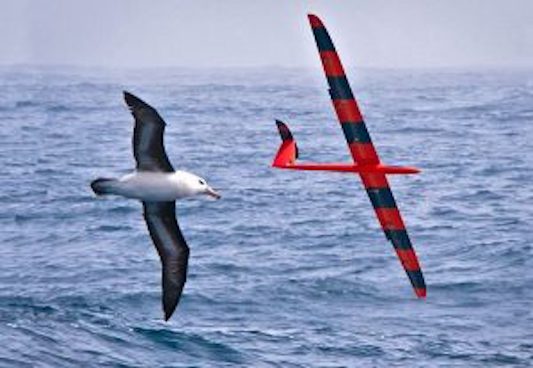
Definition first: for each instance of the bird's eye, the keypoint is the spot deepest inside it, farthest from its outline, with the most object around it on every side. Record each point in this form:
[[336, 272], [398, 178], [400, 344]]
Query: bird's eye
[[201, 182]]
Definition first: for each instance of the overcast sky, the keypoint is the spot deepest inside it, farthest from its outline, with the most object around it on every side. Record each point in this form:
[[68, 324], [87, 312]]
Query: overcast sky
[[229, 33]]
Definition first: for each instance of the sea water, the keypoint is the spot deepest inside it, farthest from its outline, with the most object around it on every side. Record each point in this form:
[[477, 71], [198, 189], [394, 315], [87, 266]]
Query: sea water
[[288, 269]]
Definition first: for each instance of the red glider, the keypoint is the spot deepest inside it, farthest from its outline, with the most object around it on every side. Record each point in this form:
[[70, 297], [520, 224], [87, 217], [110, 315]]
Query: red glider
[[367, 163]]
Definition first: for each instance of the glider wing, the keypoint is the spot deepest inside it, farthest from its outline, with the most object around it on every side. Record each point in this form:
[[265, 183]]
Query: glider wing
[[364, 153]]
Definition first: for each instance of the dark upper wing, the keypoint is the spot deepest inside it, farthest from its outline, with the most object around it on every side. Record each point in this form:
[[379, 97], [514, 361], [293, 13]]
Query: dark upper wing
[[172, 248], [148, 147]]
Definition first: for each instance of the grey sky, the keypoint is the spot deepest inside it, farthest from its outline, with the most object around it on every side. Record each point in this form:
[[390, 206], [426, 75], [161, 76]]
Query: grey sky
[[210, 33]]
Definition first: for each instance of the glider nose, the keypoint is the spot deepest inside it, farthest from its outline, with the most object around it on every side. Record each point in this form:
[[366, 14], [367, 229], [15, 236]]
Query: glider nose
[[210, 191]]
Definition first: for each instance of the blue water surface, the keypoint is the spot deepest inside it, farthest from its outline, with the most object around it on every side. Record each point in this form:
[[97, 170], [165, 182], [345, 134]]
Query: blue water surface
[[289, 269]]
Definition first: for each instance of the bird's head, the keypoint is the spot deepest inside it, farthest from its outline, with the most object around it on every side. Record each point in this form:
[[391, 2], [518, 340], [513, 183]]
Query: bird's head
[[198, 185]]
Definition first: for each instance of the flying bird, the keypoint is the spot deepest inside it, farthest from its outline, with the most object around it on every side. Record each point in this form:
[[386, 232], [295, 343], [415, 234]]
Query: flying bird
[[158, 186]]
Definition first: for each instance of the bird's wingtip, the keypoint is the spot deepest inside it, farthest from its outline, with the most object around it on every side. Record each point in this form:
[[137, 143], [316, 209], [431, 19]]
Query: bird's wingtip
[[170, 298], [169, 311], [132, 100]]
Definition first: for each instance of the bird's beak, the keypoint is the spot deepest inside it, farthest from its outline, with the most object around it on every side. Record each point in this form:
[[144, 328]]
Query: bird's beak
[[210, 191]]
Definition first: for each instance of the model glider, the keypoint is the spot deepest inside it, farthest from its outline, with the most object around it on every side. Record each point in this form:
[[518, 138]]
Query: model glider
[[367, 162]]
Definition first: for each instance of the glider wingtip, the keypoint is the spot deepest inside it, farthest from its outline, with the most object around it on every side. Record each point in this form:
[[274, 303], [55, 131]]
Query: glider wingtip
[[421, 293], [315, 21]]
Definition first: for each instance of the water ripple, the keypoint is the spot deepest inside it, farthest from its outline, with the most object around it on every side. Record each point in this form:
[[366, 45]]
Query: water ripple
[[289, 269]]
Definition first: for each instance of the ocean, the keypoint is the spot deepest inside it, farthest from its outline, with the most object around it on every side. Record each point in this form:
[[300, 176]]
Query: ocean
[[288, 269]]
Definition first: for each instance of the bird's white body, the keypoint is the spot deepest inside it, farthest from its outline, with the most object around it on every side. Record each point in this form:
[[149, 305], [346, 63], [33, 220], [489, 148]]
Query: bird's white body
[[159, 186]]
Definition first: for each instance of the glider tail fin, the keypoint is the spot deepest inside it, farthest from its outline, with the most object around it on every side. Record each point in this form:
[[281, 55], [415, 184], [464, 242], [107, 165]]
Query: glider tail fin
[[103, 186], [288, 151]]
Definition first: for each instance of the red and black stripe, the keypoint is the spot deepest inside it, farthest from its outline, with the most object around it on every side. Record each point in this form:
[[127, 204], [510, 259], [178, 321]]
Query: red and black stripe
[[363, 152], [348, 113], [393, 226]]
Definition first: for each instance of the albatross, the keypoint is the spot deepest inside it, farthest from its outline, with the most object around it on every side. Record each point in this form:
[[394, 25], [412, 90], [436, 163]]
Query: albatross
[[158, 186]]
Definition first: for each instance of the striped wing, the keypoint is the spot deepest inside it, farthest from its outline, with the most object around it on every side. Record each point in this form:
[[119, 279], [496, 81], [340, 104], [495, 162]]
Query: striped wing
[[364, 153]]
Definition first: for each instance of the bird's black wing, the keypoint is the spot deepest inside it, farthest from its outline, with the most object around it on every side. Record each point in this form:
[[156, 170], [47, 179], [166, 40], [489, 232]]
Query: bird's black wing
[[148, 147], [172, 248]]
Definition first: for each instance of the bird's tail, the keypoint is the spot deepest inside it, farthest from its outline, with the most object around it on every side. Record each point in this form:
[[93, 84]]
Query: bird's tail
[[103, 186]]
